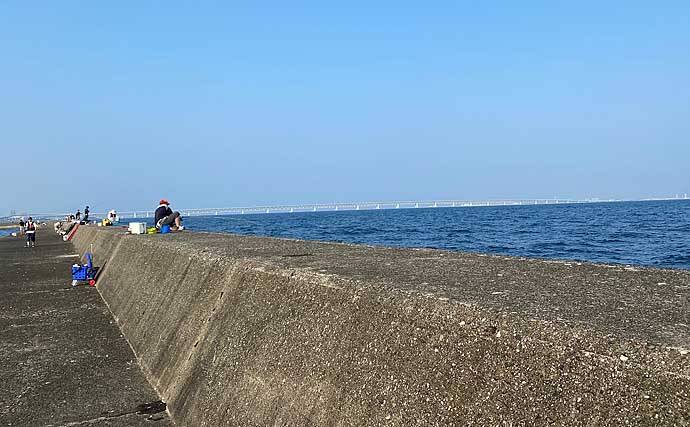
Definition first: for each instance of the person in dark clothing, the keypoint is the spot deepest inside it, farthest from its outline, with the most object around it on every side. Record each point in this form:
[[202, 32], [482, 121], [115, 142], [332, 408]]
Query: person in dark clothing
[[77, 215], [86, 214], [30, 233], [21, 226], [165, 216]]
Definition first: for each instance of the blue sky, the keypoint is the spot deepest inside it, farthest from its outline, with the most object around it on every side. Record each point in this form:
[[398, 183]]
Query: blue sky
[[222, 104]]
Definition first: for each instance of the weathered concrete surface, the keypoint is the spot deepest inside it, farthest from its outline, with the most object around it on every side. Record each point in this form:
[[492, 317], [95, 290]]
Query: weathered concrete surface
[[62, 358], [254, 331]]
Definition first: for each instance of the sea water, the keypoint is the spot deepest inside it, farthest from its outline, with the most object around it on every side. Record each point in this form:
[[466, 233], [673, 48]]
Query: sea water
[[653, 234], [7, 231]]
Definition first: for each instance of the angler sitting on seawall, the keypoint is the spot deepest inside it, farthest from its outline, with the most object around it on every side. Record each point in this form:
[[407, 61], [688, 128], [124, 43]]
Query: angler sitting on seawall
[[165, 216]]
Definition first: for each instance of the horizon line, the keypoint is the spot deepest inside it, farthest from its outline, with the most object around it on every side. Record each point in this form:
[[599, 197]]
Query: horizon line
[[368, 205]]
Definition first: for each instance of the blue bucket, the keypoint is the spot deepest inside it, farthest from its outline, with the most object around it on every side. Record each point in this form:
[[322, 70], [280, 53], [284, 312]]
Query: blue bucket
[[165, 229]]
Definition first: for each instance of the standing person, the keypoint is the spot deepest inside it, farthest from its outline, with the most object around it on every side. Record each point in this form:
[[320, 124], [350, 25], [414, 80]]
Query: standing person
[[86, 214], [21, 226], [30, 233], [165, 216], [77, 215]]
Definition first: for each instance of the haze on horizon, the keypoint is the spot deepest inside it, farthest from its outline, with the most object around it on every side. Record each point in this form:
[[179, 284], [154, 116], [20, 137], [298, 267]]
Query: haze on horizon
[[211, 104]]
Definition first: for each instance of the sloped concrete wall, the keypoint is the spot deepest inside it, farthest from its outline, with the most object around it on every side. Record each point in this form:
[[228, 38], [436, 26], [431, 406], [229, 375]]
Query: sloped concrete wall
[[247, 331]]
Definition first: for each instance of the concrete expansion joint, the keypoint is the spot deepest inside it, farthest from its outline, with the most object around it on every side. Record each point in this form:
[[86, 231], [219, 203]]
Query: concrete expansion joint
[[154, 411]]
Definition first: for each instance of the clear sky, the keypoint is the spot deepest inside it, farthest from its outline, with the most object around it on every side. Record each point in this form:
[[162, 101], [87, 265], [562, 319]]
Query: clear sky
[[215, 104]]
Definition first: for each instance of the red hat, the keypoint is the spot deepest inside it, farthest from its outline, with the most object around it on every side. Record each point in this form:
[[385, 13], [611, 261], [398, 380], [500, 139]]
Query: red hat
[[163, 202]]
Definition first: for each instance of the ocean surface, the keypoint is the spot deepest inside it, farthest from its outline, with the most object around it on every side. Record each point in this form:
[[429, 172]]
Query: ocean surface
[[7, 231], [653, 234]]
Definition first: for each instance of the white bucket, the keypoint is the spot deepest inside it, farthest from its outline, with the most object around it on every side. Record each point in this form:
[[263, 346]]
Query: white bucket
[[137, 227]]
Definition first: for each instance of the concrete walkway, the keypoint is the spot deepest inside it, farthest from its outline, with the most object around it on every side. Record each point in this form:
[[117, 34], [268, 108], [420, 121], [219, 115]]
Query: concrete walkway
[[63, 360]]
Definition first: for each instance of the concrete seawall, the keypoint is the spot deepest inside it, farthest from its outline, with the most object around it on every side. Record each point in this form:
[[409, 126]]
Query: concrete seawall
[[235, 330]]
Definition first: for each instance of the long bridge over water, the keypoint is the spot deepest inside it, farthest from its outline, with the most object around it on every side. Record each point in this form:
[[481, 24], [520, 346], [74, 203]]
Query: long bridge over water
[[333, 207]]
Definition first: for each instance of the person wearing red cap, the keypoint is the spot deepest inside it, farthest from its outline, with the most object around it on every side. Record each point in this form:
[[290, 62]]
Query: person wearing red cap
[[165, 216]]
